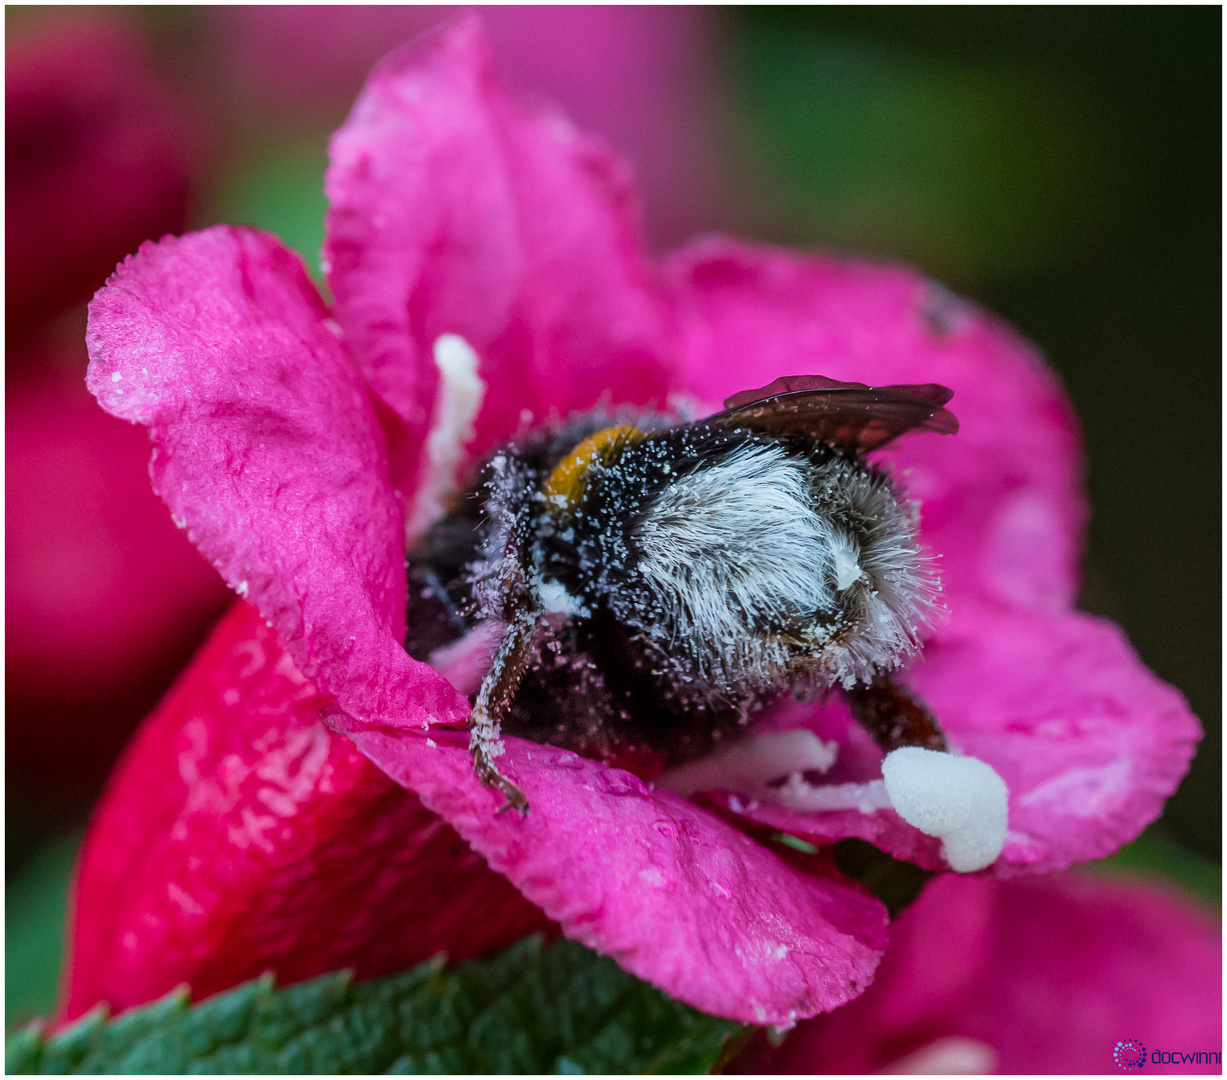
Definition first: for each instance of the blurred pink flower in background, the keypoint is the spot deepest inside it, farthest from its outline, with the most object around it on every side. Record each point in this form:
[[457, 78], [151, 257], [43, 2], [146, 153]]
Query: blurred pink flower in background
[[641, 78], [99, 157], [285, 441], [104, 599], [1043, 975]]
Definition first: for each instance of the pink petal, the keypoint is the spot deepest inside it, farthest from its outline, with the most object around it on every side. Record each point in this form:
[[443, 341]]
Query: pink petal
[[1050, 973], [267, 450], [675, 895], [455, 211], [1088, 741], [640, 77], [241, 835], [1002, 501]]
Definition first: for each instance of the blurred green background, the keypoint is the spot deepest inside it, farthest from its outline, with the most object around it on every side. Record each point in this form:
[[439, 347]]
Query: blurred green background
[[1059, 165]]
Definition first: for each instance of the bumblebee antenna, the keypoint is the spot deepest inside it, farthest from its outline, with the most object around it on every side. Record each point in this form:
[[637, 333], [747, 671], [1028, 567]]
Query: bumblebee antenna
[[498, 688]]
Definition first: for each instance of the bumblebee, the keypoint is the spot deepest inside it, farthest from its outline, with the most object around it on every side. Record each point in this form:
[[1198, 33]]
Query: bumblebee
[[647, 585]]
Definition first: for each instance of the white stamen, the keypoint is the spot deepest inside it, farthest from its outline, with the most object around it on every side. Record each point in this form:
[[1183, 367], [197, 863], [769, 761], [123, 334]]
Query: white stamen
[[960, 800], [951, 1056], [798, 794], [749, 765], [457, 402]]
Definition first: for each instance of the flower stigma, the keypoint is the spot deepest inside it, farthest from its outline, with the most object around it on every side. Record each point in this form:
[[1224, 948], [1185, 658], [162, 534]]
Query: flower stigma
[[960, 800]]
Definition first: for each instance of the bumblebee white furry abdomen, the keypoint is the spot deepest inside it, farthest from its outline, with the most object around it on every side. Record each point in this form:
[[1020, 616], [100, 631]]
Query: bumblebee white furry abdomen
[[656, 582], [771, 568]]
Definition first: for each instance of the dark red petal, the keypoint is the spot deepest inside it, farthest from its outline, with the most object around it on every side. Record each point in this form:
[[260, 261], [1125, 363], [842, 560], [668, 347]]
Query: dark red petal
[[240, 835]]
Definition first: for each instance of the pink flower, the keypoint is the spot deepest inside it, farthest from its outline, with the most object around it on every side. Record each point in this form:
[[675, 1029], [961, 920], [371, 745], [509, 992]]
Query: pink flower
[[287, 441], [104, 599], [98, 159], [1045, 975], [635, 75]]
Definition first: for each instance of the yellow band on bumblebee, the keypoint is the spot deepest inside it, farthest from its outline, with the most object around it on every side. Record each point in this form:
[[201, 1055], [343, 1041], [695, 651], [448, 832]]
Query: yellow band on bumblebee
[[564, 487]]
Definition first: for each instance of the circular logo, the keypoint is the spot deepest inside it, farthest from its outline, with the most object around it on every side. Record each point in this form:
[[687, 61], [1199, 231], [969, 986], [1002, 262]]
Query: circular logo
[[1129, 1054]]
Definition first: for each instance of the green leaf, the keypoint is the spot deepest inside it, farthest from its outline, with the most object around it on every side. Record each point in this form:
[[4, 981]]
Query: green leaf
[[527, 1010], [34, 910]]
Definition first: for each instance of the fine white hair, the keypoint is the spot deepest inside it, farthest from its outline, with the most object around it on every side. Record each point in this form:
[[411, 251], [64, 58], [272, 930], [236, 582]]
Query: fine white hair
[[767, 567]]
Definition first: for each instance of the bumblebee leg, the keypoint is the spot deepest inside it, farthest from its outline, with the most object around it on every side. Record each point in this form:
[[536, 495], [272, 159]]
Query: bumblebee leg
[[498, 688], [482, 751], [894, 717]]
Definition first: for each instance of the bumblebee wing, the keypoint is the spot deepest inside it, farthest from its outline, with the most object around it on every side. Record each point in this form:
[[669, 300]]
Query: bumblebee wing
[[852, 417]]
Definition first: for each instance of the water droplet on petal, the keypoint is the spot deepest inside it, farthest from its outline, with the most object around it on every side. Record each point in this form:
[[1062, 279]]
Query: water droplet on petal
[[617, 782], [665, 828]]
